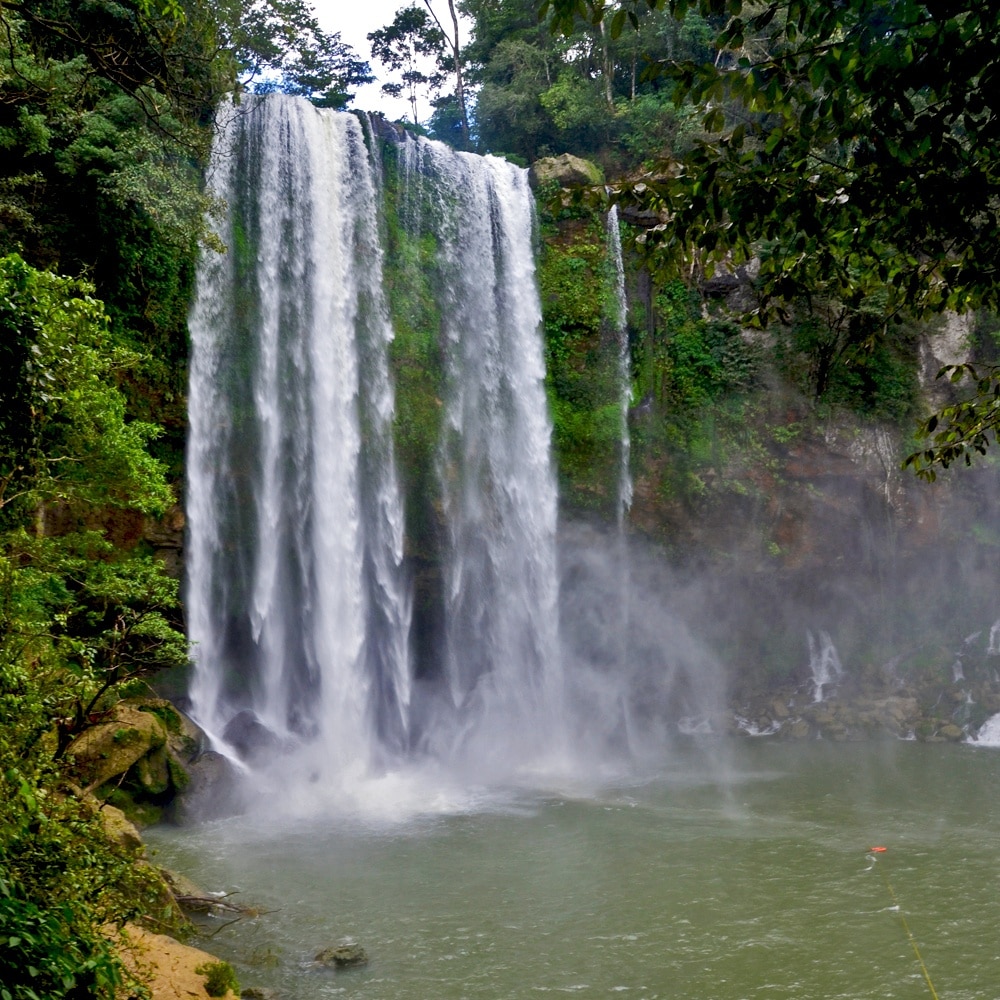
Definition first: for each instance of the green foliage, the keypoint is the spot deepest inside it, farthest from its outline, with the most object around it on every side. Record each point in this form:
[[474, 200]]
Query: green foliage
[[696, 378], [47, 955], [842, 363], [61, 880], [76, 618], [220, 978], [400, 46], [88, 617], [582, 378], [859, 139], [589, 92], [278, 45], [65, 433], [415, 355]]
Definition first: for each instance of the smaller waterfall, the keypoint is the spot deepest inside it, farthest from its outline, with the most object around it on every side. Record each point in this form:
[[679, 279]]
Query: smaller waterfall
[[620, 325], [824, 663], [993, 649], [623, 502]]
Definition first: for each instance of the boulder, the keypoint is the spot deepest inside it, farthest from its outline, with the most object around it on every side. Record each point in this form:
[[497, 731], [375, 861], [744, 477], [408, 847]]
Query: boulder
[[120, 830], [797, 729], [250, 738], [565, 170], [170, 970], [111, 747], [213, 792]]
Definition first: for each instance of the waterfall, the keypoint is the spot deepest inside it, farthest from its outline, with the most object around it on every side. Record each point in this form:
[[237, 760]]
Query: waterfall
[[497, 485], [299, 596], [299, 613]]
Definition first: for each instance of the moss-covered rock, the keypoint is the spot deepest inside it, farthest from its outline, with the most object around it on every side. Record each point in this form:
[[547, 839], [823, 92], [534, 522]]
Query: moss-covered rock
[[136, 757], [342, 956], [111, 747], [565, 170], [120, 830]]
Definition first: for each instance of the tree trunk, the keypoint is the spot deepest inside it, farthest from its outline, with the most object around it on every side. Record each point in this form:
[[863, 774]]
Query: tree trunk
[[456, 54], [607, 68]]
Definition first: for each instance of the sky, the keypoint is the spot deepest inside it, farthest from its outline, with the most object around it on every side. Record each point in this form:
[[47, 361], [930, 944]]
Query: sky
[[354, 19]]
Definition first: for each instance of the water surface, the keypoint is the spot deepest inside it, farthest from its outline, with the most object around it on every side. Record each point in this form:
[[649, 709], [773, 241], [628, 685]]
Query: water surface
[[678, 885]]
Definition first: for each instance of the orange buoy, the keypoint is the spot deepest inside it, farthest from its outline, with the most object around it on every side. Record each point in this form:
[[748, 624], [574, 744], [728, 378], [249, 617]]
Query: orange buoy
[[877, 850]]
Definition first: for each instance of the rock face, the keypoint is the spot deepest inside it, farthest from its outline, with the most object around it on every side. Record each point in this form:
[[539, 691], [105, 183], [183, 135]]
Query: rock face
[[565, 170], [251, 739], [932, 708], [166, 966]]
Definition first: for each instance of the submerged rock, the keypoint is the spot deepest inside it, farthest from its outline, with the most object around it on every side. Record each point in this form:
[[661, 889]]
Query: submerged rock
[[342, 956]]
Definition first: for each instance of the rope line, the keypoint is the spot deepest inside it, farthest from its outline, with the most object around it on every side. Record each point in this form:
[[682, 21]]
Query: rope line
[[906, 927]]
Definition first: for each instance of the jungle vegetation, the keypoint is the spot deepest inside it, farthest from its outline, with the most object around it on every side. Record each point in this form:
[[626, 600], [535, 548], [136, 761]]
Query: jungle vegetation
[[849, 150]]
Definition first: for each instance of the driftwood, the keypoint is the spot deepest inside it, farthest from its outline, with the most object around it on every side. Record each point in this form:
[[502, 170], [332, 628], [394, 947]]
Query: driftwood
[[218, 906]]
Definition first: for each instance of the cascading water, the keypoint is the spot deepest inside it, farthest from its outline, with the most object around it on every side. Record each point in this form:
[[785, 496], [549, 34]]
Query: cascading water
[[620, 318], [497, 486], [300, 607], [299, 614], [824, 663]]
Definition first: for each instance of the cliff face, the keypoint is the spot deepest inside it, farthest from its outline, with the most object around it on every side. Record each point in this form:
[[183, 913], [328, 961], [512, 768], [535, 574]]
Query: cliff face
[[771, 477]]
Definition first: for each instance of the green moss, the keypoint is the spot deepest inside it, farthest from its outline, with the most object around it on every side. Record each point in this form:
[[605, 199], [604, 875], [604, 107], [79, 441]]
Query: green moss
[[179, 778], [581, 356], [167, 714], [140, 812]]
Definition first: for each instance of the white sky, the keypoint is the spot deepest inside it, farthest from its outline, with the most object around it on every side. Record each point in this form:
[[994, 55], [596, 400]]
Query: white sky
[[354, 19]]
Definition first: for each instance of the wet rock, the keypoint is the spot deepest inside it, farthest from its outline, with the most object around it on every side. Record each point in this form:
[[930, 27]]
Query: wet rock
[[120, 830], [342, 956], [257, 993], [249, 737], [797, 729], [214, 790], [951, 733]]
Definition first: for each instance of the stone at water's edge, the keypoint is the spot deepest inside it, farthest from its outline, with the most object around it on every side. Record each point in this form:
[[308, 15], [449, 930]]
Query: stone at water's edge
[[251, 739], [213, 792]]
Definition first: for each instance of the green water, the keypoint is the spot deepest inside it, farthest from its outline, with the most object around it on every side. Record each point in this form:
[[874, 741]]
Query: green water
[[679, 886]]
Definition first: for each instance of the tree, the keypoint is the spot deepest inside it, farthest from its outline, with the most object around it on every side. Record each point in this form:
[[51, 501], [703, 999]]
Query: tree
[[278, 45], [454, 45], [64, 436], [403, 47], [859, 140]]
